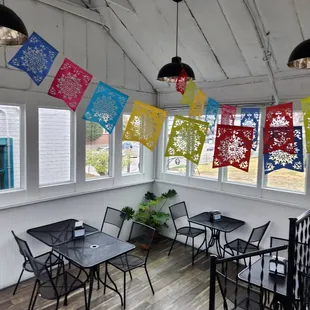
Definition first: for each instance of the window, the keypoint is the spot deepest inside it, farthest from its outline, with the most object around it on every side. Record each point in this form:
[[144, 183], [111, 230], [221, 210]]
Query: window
[[131, 153], [9, 147], [173, 164], [55, 154], [97, 151], [204, 169], [234, 175], [285, 179]]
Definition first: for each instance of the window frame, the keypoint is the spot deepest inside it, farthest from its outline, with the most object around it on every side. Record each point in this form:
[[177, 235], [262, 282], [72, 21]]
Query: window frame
[[245, 190], [72, 146]]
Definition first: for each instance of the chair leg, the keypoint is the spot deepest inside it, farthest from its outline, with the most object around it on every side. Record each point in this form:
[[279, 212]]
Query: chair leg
[[130, 275], [20, 276], [172, 244], [33, 291], [57, 303], [193, 251], [85, 297], [98, 275], [124, 290], [148, 277], [35, 299], [186, 241], [105, 277]]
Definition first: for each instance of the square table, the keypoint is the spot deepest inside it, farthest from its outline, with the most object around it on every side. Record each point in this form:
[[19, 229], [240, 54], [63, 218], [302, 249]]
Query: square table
[[58, 233], [91, 251], [268, 282], [225, 225]]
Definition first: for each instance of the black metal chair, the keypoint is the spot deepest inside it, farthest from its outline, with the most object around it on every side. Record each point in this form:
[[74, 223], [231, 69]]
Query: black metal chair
[[239, 296], [252, 244], [115, 218], [142, 235], [304, 289], [49, 258], [47, 286], [177, 212]]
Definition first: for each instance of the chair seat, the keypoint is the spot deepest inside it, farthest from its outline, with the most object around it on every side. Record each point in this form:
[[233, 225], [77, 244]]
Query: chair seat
[[127, 262], [190, 231], [241, 246], [48, 259], [64, 283]]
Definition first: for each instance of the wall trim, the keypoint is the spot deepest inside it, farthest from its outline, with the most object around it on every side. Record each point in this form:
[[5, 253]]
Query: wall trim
[[264, 200], [54, 198]]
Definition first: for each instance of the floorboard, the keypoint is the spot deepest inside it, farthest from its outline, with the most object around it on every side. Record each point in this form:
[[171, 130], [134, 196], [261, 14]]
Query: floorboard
[[178, 285]]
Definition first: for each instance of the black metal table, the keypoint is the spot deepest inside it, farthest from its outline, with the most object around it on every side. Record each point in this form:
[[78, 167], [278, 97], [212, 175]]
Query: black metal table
[[58, 233], [225, 225], [91, 251], [271, 283]]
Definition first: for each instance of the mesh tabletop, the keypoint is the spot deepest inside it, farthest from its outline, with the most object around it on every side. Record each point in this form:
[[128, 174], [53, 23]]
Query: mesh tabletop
[[225, 224], [268, 282], [94, 249], [57, 233]]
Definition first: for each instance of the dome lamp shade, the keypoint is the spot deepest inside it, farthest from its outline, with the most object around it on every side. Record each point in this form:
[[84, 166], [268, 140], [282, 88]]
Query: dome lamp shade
[[300, 57], [171, 71], [12, 29]]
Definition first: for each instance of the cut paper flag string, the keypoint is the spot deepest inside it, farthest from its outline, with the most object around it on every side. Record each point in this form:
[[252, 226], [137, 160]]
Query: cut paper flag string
[[228, 115], [250, 118], [198, 104], [211, 113], [181, 82], [305, 106], [35, 57], [278, 159], [105, 106], [145, 124], [279, 131], [187, 138], [189, 93], [233, 147], [70, 84]]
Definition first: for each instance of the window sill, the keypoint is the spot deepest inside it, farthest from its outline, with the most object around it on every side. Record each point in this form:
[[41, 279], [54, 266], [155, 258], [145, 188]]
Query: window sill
[[264, 198], [74, 194]]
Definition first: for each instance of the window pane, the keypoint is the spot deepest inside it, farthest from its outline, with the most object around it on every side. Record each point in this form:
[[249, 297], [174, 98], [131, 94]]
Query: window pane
[[54, 146], [174, 164], [130, 153], [286, 179], [97, 151], [238, 176], [204, 169], [10, 146]]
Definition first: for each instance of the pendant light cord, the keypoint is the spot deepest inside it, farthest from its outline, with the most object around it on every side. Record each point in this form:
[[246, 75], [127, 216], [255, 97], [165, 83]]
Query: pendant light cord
[[177, 31]]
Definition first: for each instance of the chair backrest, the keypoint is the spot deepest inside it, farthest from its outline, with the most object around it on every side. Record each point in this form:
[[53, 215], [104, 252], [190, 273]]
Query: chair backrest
[[239, 295], [114, 217], [177, 211], [304, 289], [258, 233], [22, 246], [143, 235]]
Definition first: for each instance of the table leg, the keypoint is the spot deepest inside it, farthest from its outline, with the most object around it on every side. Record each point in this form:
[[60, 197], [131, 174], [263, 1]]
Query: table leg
[[91, 284]]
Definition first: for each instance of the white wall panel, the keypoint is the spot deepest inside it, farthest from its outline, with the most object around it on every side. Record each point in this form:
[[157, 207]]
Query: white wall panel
[[75, 41], [210, 17], [280, 18], [303, 8], [116, 64], [131, 75], [245, 35], [97, 51]]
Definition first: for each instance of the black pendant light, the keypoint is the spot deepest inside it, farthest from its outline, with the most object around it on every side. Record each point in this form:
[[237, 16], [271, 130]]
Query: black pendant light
[[300, 57], [12, 29], [170, 72]]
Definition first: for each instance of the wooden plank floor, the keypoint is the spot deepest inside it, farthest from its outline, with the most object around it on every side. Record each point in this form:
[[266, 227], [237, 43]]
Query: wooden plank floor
[[178, 285]]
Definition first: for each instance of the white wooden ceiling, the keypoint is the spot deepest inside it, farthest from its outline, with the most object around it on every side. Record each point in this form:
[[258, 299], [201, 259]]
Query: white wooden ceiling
[[217, 38]]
